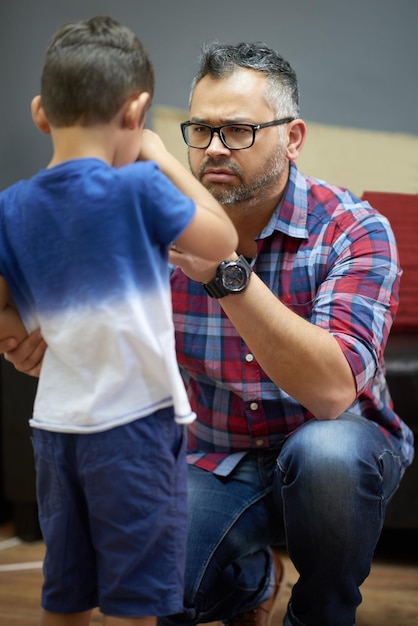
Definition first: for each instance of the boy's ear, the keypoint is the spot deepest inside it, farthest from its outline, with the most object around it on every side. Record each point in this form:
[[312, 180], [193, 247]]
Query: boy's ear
[[38, 115], [136, 111]]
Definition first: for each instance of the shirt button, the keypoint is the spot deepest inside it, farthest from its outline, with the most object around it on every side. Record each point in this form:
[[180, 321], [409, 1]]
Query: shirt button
[[259, 443], [249, 358], [254, 406]]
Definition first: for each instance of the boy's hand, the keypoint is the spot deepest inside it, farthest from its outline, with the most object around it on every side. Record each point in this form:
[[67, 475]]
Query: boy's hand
[[26, 356], [152, 147]]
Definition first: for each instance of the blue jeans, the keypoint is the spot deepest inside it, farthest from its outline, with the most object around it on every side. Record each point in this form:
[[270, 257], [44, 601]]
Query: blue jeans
[[323, 495]]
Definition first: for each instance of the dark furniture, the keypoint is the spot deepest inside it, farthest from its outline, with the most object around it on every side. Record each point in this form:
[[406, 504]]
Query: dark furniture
[[17, 393], [401, 354]]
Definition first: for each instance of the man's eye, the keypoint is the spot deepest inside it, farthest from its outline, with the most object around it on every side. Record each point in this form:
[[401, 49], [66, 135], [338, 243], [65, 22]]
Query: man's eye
[[200, 129], [239, 130]]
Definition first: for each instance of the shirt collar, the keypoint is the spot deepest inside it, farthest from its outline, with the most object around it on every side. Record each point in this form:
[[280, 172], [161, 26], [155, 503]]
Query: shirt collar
[[290, 215]]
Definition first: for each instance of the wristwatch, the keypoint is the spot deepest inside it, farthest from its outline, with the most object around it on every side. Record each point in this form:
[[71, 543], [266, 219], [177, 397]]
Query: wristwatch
[[231, 277]]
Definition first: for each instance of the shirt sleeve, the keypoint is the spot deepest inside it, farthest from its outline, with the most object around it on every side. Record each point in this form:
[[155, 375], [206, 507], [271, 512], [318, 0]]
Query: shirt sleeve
[[168, 210], [358, 300]]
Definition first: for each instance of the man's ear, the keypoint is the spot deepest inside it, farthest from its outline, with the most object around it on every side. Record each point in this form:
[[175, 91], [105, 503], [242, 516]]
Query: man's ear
[[136, 111], [38, 115], [296, 138]]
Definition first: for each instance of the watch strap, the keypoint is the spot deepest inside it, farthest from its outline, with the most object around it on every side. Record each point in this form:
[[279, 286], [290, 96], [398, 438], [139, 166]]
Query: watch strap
[[214, 289]]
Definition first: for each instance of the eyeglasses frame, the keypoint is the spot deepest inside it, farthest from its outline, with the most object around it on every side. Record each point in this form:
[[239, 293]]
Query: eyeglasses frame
[[218, 131]]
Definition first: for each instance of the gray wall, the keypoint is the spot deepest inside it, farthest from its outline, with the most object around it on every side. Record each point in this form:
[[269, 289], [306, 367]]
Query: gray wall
[[356, 59]]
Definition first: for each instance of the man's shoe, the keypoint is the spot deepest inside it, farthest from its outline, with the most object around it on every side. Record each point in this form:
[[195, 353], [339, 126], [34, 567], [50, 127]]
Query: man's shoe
[[261, 615]]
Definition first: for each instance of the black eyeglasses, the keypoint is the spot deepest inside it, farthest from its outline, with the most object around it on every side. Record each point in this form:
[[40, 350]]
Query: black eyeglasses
[[233, 136]]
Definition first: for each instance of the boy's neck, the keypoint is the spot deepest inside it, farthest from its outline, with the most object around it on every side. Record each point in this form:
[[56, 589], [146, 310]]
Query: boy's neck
[[79, 142]]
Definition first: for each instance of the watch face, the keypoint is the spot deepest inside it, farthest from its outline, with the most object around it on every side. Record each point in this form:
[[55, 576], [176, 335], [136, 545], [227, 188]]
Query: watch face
[[234, 277], [231, 277]]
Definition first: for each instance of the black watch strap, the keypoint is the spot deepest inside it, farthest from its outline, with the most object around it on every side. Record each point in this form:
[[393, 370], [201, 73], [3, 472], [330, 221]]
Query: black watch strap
[[215, 289]]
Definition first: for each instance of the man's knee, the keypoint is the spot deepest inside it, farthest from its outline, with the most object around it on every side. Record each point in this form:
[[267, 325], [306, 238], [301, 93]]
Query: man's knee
[[332, 452]]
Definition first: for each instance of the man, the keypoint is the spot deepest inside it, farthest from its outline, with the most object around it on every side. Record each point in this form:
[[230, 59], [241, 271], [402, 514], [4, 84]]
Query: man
[[296, 442]]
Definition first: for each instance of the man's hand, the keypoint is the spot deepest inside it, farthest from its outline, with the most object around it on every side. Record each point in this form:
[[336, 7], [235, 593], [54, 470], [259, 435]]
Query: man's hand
[[26, 356]]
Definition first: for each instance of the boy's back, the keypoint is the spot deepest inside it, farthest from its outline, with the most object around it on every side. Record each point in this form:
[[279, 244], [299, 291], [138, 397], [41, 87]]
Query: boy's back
[[88, 244]]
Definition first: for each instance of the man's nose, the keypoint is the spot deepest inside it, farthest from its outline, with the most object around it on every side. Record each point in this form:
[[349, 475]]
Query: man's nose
[[216, 145]]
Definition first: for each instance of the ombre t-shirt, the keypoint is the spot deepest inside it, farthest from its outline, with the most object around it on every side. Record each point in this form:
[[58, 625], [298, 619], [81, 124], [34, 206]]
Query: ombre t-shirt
[[84, 250]]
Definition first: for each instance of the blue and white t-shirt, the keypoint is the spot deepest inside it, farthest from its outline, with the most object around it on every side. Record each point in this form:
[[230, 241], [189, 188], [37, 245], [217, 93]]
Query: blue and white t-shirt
[[83, 248]]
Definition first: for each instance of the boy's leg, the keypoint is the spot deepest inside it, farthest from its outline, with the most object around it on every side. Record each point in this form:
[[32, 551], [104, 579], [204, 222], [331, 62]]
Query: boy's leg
[[135, 484], [60, 619], [69, 590]]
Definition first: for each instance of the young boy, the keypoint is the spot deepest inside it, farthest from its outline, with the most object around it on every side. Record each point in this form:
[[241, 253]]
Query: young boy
[[84, 250]]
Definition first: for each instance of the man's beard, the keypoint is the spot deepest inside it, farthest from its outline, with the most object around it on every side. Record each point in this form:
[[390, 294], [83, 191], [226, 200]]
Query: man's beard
[[262, 181]]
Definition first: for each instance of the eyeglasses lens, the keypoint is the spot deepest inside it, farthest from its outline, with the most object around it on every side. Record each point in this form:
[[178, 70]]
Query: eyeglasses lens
[[236, 137]]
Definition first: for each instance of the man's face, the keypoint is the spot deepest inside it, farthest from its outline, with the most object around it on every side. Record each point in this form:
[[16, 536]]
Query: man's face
[[237, 176]]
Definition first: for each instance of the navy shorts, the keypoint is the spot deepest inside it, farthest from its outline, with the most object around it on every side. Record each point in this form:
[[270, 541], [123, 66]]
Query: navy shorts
[[112, 509]]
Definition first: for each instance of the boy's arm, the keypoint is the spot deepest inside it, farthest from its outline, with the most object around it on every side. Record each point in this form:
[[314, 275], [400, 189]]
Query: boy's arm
[[211, 234], [10, 323]]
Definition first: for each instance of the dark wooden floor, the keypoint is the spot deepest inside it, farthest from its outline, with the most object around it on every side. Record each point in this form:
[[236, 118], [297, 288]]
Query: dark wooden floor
[[390, 594]]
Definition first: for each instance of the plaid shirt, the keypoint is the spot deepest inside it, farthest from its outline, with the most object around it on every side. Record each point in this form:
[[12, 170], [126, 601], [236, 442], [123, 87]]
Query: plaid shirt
[[331, 259]]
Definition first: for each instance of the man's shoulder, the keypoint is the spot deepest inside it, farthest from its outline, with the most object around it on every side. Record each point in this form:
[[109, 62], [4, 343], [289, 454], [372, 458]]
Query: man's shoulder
[[337, 202], [319, 202], [322, 191]]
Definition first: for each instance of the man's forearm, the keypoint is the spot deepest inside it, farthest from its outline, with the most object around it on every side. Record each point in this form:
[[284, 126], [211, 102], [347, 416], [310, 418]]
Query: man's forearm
[[11, 325], [300, 358], [26, 356]]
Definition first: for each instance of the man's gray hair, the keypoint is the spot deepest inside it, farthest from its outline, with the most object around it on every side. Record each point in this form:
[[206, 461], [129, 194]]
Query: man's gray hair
[[219, 60]]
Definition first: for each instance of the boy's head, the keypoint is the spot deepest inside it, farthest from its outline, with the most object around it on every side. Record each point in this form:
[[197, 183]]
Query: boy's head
[[91, 68]]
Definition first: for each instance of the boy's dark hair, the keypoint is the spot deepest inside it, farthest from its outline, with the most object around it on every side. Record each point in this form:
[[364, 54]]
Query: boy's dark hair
[[91, 67]]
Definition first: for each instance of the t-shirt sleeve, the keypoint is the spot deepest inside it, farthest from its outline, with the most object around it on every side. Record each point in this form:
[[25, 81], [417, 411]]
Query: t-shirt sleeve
[[167, 210]]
